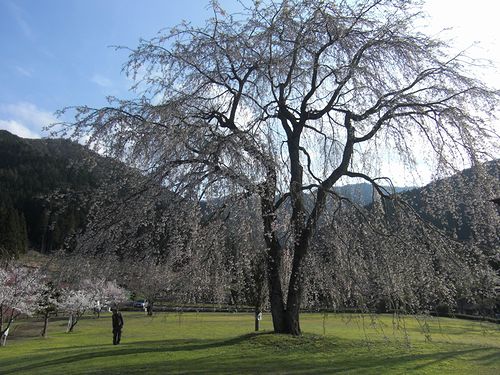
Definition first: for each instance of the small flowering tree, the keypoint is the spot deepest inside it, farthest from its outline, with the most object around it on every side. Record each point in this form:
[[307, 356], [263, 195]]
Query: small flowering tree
[[114, 294], [108, 293], [20, 291], [88, 294], [76, 302]]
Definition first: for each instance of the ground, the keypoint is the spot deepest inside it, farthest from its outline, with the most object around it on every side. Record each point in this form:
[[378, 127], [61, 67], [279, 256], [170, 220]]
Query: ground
[[215, 343]]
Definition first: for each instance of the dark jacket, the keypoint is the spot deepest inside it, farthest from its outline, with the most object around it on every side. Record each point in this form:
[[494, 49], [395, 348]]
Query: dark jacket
[[117, 321]]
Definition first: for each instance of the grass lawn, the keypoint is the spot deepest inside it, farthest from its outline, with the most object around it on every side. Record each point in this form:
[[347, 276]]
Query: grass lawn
[[215, 343]]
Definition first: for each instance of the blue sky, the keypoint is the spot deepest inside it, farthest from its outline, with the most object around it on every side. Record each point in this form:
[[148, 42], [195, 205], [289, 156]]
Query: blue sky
[[55, 53]]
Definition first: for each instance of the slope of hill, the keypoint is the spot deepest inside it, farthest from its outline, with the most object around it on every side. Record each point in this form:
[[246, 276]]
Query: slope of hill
[[43, 186]]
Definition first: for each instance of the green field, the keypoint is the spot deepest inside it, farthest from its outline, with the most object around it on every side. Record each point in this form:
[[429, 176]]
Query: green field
[[214, 343]]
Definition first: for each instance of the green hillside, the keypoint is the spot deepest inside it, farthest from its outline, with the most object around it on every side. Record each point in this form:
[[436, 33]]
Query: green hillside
[[44, 185]]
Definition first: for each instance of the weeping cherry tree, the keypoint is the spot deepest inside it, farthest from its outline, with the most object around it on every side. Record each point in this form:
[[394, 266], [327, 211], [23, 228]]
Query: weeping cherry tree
[[286, 100]]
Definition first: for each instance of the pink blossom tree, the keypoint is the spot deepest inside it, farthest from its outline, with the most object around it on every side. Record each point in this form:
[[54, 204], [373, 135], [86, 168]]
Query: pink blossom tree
[[19, 293]]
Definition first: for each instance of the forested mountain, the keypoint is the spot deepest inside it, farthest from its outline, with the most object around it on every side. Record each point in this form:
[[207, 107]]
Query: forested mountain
[[44, 184], [462, 204]]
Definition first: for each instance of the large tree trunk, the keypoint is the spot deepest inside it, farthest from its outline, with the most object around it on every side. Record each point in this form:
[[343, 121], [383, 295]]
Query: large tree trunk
[[295, 286], [278, 311], [284, 321], [287, 320], [300, 234]]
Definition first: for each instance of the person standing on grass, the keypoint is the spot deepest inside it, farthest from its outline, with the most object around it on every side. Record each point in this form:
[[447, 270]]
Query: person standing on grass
[[117, 320]]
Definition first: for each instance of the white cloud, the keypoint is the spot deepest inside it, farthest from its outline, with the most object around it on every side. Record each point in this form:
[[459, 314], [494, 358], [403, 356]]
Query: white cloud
[[101, 80], [25, 119], [18, 129]]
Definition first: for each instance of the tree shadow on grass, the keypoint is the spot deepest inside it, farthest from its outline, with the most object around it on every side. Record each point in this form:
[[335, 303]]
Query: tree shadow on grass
[[135, 348], [418, 362], [255, 353], [490, 358], [253, 363], [282, 364]]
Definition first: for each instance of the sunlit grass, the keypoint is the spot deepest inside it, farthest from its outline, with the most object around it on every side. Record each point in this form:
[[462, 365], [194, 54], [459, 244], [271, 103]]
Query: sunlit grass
[[213, 343]]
